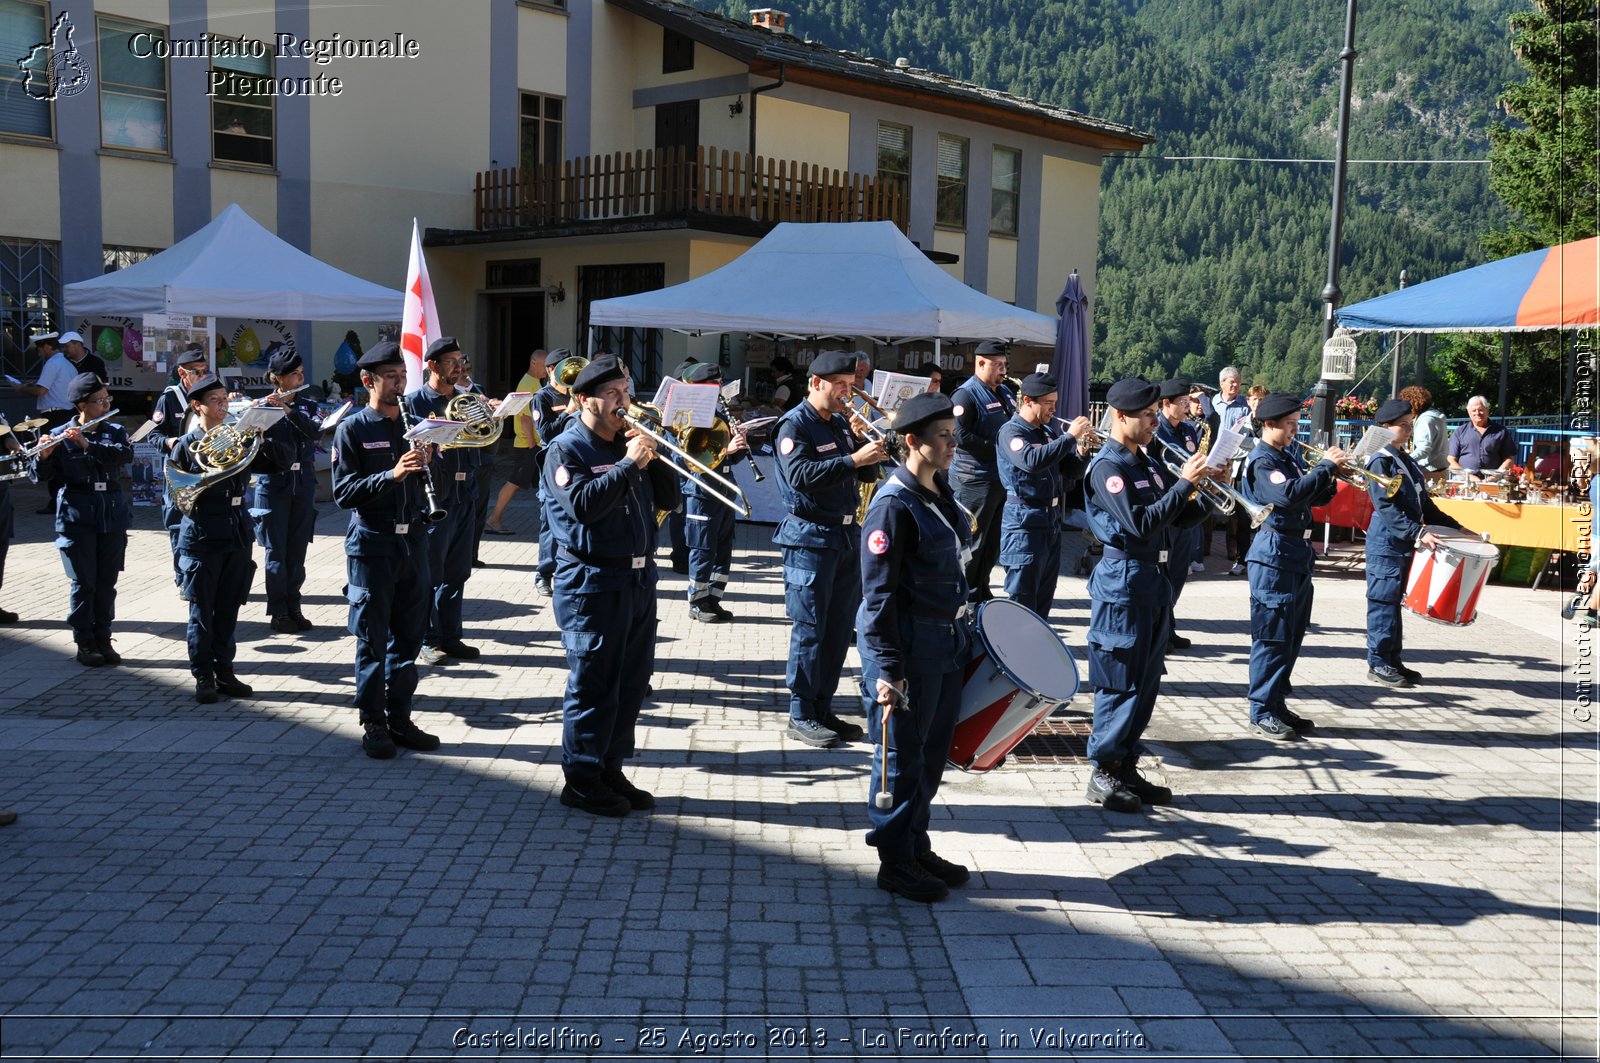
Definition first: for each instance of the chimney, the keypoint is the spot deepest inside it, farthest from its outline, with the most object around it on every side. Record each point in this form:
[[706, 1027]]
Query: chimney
[[770, 19]]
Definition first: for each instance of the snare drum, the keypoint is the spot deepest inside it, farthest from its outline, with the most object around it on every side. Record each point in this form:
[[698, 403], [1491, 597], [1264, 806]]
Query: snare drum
[[1445, 582], [1023, 673]]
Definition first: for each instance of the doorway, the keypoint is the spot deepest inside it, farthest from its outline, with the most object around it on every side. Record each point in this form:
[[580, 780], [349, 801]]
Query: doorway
[[516, 330]]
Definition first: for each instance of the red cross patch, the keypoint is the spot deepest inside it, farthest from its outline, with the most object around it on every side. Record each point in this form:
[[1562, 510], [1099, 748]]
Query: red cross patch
[[1277, 476], [878, 542], [1114, 484]]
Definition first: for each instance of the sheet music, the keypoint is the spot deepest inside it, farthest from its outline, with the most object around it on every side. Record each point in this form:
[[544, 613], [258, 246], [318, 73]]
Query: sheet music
[[697, 402], [1224, 447], [142, 431], [513, 404], [436, 430], [896, 388], [337, 415], [12, 380], [662, 391], [1373, 440], [731, 389], [260, 418]]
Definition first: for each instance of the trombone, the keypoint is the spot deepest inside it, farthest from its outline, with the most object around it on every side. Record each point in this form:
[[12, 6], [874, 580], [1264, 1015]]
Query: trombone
[[1353, 474], [1222, 499], [878, 435], [692, 468]]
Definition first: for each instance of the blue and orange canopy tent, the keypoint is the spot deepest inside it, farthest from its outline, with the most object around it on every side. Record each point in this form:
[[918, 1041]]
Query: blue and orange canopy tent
[[1557, 288]]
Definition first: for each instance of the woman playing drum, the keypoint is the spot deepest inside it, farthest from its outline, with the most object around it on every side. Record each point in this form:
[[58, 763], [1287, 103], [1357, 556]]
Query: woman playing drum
[[1397, 529], [913, 645]]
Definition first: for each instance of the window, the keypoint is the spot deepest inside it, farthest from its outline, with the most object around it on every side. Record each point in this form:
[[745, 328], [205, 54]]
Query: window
[[952, 205], [25, 87], [241, 119], [1005, 189], [115, 258], [30, 289], [894, 153], [677, 52], [133, 86], [541, 130]]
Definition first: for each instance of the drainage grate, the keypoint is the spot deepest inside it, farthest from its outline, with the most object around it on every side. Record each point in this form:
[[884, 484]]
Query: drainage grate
[[1055, 741]]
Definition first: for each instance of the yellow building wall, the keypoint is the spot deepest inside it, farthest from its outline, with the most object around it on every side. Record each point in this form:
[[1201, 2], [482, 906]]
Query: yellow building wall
[[542, 51], [30, 209], [255, 192], [1003, 269], [126, 182], [612, 120], [955, 243], [1068, 229], [800, 131]]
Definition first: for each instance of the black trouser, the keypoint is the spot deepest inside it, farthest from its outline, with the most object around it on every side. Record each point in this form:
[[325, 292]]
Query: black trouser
[[986, 498]]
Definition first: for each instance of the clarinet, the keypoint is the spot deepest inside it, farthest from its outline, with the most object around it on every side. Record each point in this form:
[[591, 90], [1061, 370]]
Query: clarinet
[[436, 512]]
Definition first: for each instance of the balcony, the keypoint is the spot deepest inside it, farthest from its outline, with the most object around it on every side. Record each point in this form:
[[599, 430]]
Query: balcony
[[681, 183]]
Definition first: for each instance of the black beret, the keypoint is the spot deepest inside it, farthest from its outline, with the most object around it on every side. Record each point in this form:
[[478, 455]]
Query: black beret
[[1131, 396], [1038, 385], [203, 385], [833, 363], [191, 353], [385, 353], [441, 347], [1174, 389], [919, 410], [556, 355], [993, 349], [1392, 411], [601, 371], [284, 362], [83, 385], [1272, 407], [702, 373]]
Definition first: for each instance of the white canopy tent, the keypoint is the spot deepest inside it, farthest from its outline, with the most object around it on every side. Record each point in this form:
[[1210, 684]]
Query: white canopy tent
[[235, 268], [830, 279]]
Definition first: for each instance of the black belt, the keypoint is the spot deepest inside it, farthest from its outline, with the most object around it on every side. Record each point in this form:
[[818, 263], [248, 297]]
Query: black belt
[[1020, 501], [603, 562], [1293, 533], [1112, 552]]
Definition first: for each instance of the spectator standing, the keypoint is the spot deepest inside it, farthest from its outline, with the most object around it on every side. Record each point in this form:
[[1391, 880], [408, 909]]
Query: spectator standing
[[1430, 436], [525, 465]]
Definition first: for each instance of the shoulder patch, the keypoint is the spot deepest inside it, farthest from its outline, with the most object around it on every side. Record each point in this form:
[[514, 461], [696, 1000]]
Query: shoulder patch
[[878, 542], [786, 445], [536, 414], [1114, 484], [157, 417], [1016, 443], [1192, 446], [959, 409], [1277, 476], [563, 477]]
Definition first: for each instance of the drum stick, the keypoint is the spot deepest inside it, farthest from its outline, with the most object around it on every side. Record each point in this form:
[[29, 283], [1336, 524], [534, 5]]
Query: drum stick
[[883, 799]]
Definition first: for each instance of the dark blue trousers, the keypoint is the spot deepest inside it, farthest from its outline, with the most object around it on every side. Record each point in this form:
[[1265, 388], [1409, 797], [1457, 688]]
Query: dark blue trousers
[[1386, 586], [1280, 612], [1031, 558], [1127, 656], [450, 549], [821, 590], [7, 527], [93, 561], [285, 520], [708, 532], [389, 599], [985, 497], [610, 639], [547, 541], [1185, 551], [918, 742], [217, 585]]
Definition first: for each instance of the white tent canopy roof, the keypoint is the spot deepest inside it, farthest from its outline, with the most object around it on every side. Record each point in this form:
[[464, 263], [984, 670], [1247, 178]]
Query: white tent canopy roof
[[235, 268], [830, 279]]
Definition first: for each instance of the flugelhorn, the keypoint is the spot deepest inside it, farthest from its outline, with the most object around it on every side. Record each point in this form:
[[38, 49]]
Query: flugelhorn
[[1353, 474], [691, 468], [1222, 499]]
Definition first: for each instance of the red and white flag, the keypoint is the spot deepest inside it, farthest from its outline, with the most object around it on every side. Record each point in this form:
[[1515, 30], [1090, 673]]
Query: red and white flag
[[420, 325]]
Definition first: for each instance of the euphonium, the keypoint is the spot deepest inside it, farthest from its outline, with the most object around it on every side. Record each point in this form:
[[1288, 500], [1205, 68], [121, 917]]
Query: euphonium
[[1353, 474], [222, 453], [483, 427], [708, 446], [565, 372]]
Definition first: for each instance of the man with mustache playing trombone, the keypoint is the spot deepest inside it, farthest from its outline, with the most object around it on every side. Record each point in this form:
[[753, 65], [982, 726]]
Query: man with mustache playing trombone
[[604, 485]]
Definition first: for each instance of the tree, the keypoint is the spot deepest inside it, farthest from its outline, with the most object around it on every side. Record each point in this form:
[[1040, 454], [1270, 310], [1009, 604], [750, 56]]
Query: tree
[[1545, 167]]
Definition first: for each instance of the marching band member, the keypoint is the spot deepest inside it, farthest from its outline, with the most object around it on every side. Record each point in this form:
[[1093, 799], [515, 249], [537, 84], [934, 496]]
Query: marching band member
[[708, 524], [1397, 529], [1280, 562], [1037, 461], [604, 489], [1137, 514], [92, 516], [286, 501], [173, 419], [820, 465], [450, 541], [1181, 437], [982, 405], [214, 540], [378, 476], [914, 645], [549, 410]]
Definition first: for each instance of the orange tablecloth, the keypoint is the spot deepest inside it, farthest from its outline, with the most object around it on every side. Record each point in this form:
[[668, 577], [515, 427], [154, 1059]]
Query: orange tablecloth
[[1544, 527]]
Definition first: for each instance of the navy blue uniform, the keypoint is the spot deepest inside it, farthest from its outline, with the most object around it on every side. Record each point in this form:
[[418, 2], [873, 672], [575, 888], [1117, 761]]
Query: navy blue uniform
[[450, 541], [980, 411], [1135, 509], [602, 509], [285, 507], [1396, 527], [92, 522], [548, 424], [820, 487], [911, 626], [1037, 463], [1280, 561], [172, 421], [386, 561], [708, 537], [214, 540], [1182, 442]]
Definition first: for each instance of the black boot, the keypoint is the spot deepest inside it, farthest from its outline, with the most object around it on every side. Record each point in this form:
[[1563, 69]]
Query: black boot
[[229, 684], [205, 688]]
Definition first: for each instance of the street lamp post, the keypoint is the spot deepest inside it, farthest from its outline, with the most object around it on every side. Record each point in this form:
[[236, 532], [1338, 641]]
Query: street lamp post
[[1322, 406]]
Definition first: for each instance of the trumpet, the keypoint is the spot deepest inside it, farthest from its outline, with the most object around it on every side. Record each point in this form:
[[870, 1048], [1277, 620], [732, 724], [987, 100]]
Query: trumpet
[[1355, 475], [691, 468], [1099, 428], [1222, 499]]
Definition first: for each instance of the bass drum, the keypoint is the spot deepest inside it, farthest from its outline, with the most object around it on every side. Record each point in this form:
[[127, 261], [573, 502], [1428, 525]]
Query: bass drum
[[1023, 673]]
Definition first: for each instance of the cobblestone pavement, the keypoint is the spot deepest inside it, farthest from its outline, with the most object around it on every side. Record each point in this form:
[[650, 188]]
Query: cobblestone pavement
[[238, 879]]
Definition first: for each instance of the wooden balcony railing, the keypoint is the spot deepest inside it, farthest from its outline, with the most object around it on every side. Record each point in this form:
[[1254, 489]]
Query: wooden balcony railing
[[682, 181]]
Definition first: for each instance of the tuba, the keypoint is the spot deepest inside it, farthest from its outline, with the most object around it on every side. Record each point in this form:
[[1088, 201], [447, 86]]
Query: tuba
[[483, 427], [222, 453]]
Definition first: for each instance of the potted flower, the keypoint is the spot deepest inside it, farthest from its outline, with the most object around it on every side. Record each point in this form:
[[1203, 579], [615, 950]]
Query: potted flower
[[1355, 408]]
